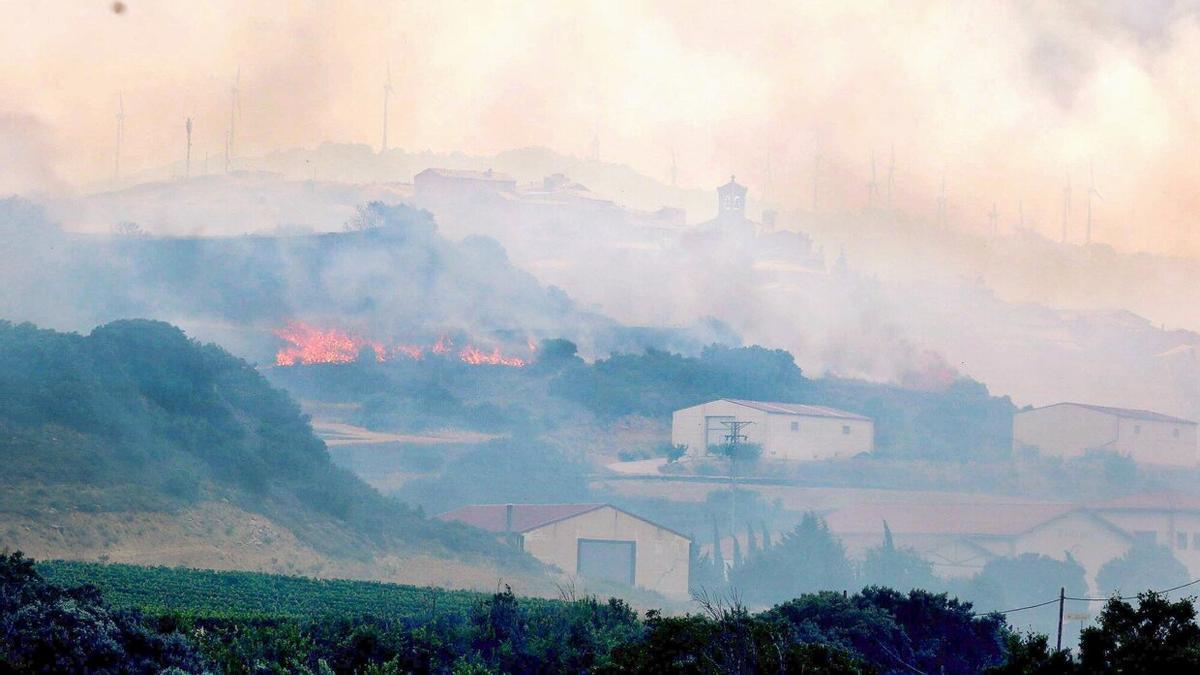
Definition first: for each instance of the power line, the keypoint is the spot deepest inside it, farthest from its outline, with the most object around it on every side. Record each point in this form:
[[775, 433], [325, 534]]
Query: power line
[[1067, 597]]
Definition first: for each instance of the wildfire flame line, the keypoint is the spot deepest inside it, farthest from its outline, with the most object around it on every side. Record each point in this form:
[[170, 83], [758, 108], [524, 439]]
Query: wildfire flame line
[[308, 345]]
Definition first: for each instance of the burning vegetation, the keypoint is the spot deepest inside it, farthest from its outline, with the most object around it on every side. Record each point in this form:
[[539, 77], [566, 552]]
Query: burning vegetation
[[308, 345]]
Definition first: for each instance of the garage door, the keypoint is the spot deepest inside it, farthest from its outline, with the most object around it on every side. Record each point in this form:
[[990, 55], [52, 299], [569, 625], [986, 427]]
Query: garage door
[[607, 559]]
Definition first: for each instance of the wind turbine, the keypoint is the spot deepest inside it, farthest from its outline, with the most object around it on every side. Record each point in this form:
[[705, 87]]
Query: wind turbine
[[235, 111], [387, 92], [873, 186], [120, 137], [1092, 191]]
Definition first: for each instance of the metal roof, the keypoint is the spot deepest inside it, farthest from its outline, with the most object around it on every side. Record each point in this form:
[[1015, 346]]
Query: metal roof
[[1128, 413], [797, 409]]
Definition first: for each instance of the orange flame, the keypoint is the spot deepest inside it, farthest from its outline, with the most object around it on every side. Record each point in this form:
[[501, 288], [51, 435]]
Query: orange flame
[[443, 345], [309, 345], [476, 357]]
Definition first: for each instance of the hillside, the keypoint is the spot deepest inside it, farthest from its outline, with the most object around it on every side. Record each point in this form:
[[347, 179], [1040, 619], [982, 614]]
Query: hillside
[[136, 443]]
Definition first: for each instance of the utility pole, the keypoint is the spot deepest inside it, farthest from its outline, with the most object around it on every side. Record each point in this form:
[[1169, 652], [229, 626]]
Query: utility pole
[[1062, 599], [734, 439], [187, 162]]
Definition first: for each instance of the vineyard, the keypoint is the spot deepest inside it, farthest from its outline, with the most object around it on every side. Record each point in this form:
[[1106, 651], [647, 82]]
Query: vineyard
[[208, 593]]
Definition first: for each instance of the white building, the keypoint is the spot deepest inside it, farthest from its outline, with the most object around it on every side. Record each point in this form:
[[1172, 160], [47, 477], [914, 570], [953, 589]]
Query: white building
[[593, 541], [786, 431], [1071, 429]]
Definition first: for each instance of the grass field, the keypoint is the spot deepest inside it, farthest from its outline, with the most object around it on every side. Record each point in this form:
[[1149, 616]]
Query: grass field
[[209, 593]]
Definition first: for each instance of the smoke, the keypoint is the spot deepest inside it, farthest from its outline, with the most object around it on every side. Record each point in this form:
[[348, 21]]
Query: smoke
[[1005, 100], [28, 156]]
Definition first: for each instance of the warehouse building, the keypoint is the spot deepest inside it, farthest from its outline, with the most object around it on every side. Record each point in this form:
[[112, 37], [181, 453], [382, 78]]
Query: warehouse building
[[593, 541], [1071, 429], [786, 431]]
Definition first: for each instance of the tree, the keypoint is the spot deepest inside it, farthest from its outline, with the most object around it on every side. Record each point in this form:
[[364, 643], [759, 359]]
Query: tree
[[1028, 579], [900, 568], [805, 560], [1142, 568], [45, 628], [1158, 636]]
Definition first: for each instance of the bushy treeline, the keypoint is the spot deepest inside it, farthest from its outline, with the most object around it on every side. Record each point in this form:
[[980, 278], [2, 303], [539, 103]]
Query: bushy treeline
[[809, 559], [136, 416], [46, 628]]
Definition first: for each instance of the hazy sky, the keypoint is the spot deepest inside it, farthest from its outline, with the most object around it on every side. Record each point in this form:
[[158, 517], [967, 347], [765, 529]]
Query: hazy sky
[[1005, 99]]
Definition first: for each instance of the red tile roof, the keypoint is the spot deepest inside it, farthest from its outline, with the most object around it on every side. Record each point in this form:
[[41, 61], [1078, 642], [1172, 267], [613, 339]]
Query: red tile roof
[[1151, 501], [987, 519], [493, 517], [526, 517], [797, 409]]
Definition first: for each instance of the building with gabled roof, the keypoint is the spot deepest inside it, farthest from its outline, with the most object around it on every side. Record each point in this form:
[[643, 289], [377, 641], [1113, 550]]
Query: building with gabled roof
[[598, 542], [1072, 429], [786, 431], [438, 183]]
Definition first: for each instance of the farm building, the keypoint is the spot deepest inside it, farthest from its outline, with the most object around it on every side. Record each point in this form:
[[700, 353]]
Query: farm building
[[593, 541], [1071, 429], [959, 538], [452, 183], [786, 431]]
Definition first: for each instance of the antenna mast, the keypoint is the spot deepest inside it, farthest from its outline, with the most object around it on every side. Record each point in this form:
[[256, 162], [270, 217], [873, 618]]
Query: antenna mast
[[1091, 191], [235, 109], [387, 92], [816, 180], [187, 163], [120, 137], [1066, 208], [873, 186], [891, 176], [941, 203]]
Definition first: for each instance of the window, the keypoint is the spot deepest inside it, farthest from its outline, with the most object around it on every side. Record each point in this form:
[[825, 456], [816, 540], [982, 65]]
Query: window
[[1181, 540], [1137, 428], [845, 428], [795, 426]]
